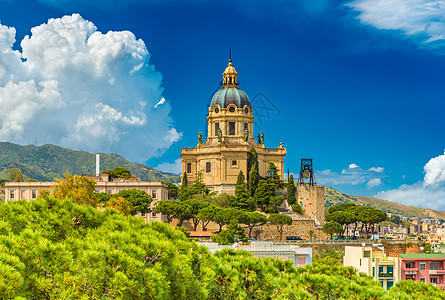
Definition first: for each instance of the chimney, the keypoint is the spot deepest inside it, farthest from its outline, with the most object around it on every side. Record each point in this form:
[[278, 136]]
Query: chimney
[[97, 164]]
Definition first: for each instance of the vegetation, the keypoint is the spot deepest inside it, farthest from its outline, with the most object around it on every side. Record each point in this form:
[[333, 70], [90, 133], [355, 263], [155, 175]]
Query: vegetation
[[119, 172], [291, 190], [44, 163], [54, 248], [349, 214], [280, 220]]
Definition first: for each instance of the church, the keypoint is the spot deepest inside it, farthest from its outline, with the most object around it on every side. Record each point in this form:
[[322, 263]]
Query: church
[[230, 120]]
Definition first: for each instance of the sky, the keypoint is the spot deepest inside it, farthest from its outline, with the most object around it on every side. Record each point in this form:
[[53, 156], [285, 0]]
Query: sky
[[356, 85]]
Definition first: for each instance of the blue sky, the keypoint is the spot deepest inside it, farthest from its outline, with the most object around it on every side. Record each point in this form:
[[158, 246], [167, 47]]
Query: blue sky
[[355, 85]]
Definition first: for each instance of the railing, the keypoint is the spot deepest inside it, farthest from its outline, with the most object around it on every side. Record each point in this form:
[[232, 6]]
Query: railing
[[386, 274]]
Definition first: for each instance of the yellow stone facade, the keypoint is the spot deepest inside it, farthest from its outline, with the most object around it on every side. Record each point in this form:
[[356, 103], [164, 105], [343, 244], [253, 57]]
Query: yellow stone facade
[[224, 154]]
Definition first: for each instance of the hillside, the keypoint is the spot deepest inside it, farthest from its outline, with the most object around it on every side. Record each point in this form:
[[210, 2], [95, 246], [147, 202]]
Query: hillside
[[334, 197], [44, 163]]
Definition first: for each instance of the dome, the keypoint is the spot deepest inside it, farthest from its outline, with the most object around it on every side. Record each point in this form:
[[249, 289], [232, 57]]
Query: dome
[[226, 96]]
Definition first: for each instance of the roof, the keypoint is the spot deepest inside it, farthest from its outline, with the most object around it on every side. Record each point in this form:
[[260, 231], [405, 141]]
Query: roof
[[200, 233], [423, 255], [226, 96]]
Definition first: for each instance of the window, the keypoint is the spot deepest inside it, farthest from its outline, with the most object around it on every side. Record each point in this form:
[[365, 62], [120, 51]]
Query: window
[[142, 214], [232, 109], [390, 269], [109, 191], [434, 280], [422, 266], [422, 279], [389, 284], [434, 265], [246, 126], [153, 194], [189, 167], [373, 271], [367, 254], [153, 214], [11, 194], [409, 265], [233, 162], [208, 167], [216, 128], [231, 128], [33, 194]]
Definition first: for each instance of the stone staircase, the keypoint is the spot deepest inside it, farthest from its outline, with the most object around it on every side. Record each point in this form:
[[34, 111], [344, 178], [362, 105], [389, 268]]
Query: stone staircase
[[286, 209]]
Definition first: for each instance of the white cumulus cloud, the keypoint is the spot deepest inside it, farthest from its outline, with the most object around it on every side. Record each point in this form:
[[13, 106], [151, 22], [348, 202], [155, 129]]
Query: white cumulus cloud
[[77, 87], [353, 175], [423, 20], [429, 193]]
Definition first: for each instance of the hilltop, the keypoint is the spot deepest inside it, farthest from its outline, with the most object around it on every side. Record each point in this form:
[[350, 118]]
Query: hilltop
[[44, 163], [334, 197]]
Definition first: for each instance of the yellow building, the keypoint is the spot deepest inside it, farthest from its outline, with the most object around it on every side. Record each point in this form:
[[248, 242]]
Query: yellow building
[[230, 137]]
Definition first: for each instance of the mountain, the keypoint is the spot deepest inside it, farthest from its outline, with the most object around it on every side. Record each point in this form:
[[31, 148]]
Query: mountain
[[44, 163], [334, 197]]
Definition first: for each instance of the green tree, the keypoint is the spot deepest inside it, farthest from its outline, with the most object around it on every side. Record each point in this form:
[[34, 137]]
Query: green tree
[[206, 215], [223, 216], [195, 207], [233, 234], [120, 204], [184, 181], [139, 200], [280, 220], [332, 228], [254, 178], [252, 159], [273, 176], [291, 190], [173, 190], [240, 186], [297, 208], [79, 189], [15, 175], [119, 172], [252, 219]]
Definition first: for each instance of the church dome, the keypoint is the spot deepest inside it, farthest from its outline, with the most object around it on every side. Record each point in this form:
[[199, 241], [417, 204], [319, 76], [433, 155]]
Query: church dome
[[226, 96], [230, 93]]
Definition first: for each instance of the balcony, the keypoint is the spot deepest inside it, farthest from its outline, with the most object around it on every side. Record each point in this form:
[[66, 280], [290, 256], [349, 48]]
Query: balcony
[[383, 274], [437, 272], [411, 271]]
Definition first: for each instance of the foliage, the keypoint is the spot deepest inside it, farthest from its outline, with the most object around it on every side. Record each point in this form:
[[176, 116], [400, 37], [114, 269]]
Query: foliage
[[120, 204], [240, 186], [174, 209], [139, 200], [185, 181], [349, 214], [119, 172], [173, 190], [57, 249], [291, 190], [280, 220], [252, 219], [273, 176], [332, 228], [206, 215], [297, 209], [266, 198], [195, 206], [15, 175], [328, 258], [254, 178], [234, 233], [79, 189], [44, 163]]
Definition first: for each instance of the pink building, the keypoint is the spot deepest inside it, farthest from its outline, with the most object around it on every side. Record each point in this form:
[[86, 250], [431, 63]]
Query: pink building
[[429, 268]]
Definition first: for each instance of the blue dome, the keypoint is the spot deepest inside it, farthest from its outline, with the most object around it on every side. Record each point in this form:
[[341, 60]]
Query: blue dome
[[226, 96]]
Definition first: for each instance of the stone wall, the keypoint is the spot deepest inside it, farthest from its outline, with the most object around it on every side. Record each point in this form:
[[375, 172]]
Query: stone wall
[[312, 196], [298, 228]]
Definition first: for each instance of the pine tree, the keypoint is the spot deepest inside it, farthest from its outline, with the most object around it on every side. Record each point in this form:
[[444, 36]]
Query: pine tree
[[291, 190], [254, 178], [240, 187]]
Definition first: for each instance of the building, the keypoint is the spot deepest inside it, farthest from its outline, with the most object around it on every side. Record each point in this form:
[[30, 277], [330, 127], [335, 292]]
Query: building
[[224, 154], [373, 262], [299, 256], [424, 267], [104, 184]]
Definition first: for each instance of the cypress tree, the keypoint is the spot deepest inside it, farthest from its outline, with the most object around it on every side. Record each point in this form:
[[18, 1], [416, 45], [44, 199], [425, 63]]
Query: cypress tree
[[240, 187], [184, 181], [254, 178], [252, 158], [291, 191]]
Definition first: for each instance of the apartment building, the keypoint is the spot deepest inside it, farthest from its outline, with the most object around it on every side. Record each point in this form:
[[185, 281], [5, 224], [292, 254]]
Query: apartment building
[[424, 267]]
